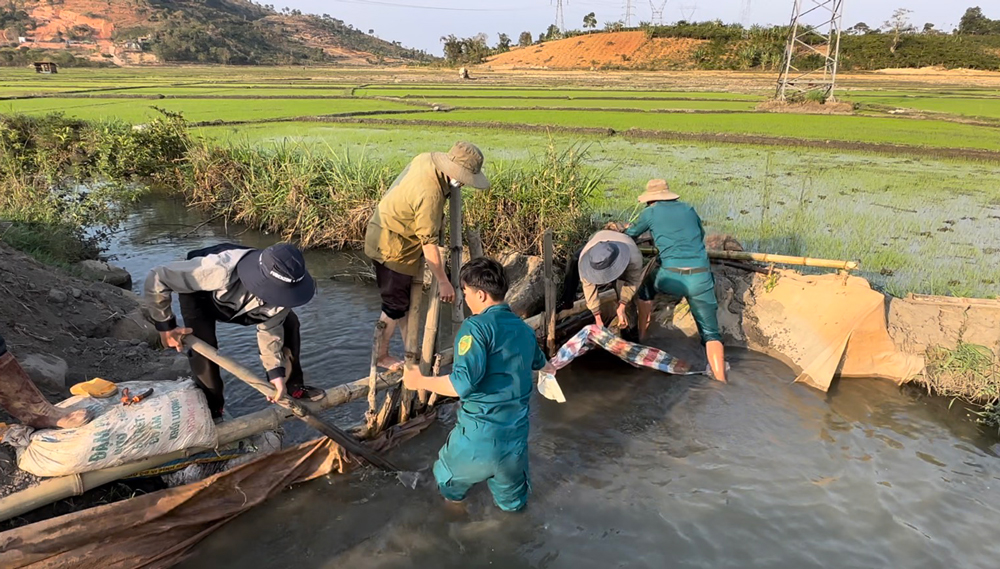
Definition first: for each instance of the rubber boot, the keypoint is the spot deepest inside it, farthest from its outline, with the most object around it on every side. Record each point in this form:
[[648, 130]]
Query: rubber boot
[[24, 402], [716, 359]]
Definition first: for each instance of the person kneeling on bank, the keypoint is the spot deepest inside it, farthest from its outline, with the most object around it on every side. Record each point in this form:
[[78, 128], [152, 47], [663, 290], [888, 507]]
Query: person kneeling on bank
[[495, 354]]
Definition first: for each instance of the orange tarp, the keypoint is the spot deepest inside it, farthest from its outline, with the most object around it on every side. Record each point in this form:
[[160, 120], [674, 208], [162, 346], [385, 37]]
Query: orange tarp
[[826, 326]]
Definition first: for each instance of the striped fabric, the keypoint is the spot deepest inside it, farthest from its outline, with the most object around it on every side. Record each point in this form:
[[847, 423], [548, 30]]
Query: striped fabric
[[636, 354]]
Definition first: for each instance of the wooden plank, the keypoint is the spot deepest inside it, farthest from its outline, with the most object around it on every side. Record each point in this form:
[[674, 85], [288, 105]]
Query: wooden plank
[[549, 321]]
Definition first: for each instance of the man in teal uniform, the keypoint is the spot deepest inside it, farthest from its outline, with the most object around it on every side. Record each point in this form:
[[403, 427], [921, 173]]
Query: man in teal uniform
[[495, 354], [684, 268]]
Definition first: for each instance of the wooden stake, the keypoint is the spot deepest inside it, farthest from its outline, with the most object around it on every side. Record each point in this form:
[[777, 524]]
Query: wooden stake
[[410, 342], [549, 322], [373, 377], [455, 214], [430, 333], [475, 243]]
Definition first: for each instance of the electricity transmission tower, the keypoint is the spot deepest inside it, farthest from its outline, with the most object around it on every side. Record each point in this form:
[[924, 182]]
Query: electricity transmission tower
[[745, 13], [657, 11], [560, 14], [687, 11], [628, 13], [813, 49]]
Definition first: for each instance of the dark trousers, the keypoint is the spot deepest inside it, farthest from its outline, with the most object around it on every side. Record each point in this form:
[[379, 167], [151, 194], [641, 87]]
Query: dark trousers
[[571, 284], [200, 314]]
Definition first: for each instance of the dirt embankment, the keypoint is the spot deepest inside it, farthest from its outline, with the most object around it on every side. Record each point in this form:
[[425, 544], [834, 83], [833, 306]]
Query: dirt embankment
[[46, 312], [627, 50]]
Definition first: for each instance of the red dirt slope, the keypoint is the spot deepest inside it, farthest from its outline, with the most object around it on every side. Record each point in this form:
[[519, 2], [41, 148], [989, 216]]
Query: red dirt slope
[[630, 50]]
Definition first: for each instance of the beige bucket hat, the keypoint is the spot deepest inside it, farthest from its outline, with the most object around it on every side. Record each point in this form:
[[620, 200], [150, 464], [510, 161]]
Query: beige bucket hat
[[657, 191], [464, 162]]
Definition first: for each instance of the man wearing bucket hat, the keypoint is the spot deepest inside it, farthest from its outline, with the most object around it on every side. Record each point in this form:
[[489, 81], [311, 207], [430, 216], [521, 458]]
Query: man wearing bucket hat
[[607, 257], [684, 267], [236, 284], [405, 226]]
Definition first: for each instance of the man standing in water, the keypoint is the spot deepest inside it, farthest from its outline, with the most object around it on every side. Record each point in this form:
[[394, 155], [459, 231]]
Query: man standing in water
[[237, 284], [495, 354], [684, 269], [405, 227]]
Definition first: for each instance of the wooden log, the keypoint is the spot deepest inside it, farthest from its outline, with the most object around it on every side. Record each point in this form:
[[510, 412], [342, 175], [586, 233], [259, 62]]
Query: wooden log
[[549, 321]]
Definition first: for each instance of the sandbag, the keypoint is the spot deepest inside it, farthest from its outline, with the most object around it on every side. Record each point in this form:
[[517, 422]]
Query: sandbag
[[173, 418]]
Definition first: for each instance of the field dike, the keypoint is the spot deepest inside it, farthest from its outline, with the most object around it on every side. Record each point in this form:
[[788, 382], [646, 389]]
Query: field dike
[[642, 134]]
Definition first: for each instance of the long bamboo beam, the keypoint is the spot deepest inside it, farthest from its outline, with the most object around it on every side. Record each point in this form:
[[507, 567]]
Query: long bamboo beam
[[773, 258], [52, 489]]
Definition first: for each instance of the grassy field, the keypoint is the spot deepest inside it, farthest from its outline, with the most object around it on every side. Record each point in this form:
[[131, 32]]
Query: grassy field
[[922, 224]]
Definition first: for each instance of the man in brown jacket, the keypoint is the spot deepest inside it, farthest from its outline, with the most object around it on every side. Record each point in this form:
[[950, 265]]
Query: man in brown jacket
[[236, 284], [608, 256], [405, 227]]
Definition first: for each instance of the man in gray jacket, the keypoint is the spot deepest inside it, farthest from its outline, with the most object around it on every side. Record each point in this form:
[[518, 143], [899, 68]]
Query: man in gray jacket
[[239, 285]]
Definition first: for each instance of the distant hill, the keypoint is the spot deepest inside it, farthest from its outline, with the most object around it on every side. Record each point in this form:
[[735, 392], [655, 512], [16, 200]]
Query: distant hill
[[237, 32], [713, 45], [607, 50]]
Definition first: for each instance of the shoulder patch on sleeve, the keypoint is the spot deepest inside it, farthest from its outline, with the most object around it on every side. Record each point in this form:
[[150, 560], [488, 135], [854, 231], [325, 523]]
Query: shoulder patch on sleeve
[[464, 344]]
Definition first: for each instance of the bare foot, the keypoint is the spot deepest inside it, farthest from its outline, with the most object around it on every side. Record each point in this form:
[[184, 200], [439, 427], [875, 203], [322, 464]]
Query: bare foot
[[74, 419], [390, 363]]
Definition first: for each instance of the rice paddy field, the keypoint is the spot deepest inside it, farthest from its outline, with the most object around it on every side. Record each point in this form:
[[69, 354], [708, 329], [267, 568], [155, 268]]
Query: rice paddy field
[[908, 184]]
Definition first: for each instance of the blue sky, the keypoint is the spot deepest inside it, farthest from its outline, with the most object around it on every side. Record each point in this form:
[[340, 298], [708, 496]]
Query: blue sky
[[421, 23]]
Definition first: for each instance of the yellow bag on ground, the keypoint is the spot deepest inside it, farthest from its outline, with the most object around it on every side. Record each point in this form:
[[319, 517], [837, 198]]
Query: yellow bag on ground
[[96, 387]]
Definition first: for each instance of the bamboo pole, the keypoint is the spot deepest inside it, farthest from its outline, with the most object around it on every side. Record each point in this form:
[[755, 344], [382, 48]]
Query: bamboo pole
[[53, 489], [549, 322], [455, 215], [303, 413], [773, 258], [430, 332]]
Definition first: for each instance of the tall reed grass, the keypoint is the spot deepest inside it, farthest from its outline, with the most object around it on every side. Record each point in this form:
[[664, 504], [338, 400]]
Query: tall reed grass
[[324, 198]]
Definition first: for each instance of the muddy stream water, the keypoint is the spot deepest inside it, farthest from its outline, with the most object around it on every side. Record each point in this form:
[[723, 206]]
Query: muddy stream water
[[637, 469]]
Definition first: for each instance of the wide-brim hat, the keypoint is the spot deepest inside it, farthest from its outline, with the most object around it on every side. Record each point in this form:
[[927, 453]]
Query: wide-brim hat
[[464, 162], [604, 262], [657, 191], [277, 275]]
